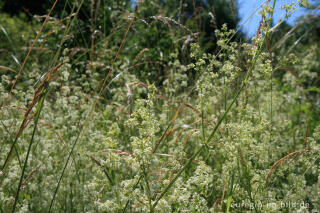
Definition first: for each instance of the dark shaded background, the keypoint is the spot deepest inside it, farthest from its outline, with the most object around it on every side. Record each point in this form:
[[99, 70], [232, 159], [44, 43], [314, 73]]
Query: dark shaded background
[[14, 7]]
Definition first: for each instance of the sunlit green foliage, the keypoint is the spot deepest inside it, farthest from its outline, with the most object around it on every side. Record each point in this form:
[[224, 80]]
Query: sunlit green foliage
[[142, 114]]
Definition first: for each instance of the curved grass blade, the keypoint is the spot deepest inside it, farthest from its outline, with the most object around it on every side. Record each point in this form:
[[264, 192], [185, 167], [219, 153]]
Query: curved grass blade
[[36, 119], [92, 108]]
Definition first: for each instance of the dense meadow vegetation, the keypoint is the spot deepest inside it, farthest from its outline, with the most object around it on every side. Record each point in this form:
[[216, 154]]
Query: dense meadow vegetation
[[158, 106]]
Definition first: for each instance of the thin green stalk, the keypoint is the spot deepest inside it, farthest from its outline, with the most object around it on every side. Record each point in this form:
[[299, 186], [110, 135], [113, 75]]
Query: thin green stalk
[[64, 168], [202, 126], [162, 137], [177, 176], [9, 156], [245, 82], [53, 61], [15, 146], [70, 21], [135, 186], [225, 99], [36, 119], [91, 110], [153, 151], [148, 188]]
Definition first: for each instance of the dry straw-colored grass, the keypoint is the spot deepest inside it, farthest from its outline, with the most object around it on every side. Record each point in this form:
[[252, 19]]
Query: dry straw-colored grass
[[279, 162]]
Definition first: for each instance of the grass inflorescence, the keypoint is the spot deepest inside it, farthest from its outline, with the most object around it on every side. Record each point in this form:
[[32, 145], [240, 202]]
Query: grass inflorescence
[[122, 109]]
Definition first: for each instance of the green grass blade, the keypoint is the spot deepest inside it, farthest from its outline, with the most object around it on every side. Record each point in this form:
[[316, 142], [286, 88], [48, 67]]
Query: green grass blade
[[36, 119], [245, 82], [229, 203]]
